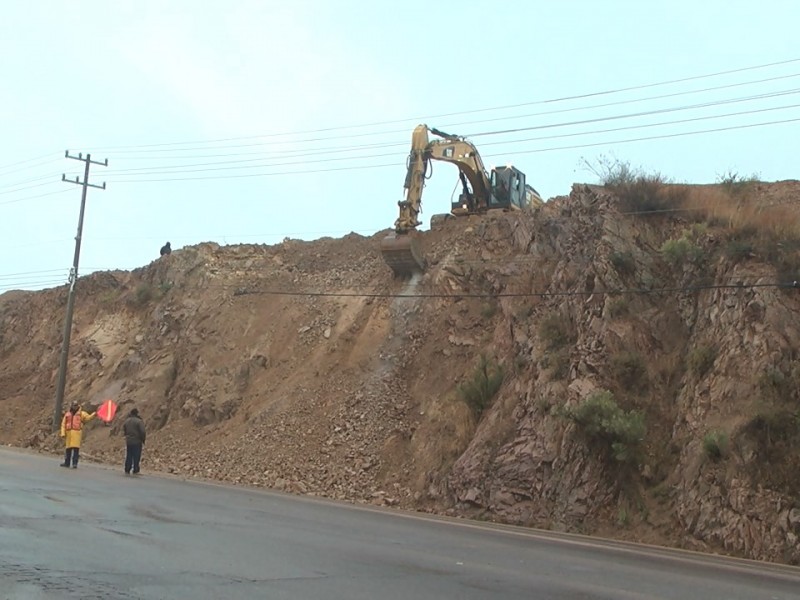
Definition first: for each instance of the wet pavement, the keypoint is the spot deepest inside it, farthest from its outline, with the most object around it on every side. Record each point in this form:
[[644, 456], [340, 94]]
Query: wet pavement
[[93, 533]]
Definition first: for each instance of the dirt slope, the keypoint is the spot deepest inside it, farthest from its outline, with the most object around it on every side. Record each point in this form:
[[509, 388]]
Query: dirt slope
[[306, 367]]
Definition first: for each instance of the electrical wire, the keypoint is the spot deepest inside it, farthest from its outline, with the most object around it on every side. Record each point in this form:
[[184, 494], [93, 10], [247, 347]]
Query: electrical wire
[[175, 169], [474, 111], [22, 162], [51, 176], [641, 113], [29, 187], [26, 273], [44, 284], [163, 171], [20, 170], [567, 294], [26, 198], [384, 165], [353, 148], [659, 137], [372, 134]]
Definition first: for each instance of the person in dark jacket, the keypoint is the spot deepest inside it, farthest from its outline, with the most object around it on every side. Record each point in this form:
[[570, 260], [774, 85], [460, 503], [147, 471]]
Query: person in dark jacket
[[133, 428]]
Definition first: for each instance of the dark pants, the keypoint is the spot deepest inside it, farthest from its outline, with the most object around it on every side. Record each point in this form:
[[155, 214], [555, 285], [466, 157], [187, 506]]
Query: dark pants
[[72, 454], [132, 457]]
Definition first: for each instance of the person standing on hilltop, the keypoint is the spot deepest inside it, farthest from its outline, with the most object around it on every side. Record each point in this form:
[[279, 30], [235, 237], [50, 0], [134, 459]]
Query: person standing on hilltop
[[72, 432], [135, 434]]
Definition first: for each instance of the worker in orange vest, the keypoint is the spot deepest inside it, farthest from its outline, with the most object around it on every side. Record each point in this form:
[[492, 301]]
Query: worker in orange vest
[[72, 431]]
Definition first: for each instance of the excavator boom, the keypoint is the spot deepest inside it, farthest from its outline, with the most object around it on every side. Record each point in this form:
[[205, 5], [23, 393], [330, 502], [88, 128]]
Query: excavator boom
[[505, 189], [400, 250]]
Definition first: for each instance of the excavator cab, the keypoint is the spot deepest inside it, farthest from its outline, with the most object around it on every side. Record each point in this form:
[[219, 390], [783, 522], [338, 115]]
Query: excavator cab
[[508, 189]]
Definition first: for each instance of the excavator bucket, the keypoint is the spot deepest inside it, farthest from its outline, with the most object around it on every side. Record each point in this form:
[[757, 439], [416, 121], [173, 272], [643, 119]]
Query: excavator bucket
[[402, 254]]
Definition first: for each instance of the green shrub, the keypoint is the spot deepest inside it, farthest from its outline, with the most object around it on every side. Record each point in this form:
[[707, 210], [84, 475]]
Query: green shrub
[[777, 424], [623, 262], [680, 251], [618, 307], [637, 190], [738, 250], [556, 331], [482, 385], [736, 184], [600, 417], [143, 294], [560, 362], [774, 383], [109, 296], [628, 368], [701, 359], [783, 253], [647, 194], [715, 444], [612, 172]]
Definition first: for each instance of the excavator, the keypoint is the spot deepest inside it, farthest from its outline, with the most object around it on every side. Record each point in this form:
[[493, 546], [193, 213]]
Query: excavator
[[504, 188]]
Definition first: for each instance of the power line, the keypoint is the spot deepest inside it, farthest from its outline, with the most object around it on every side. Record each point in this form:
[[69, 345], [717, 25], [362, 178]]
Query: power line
[[22, 162], [617, 292], [45, 284], [364, 167], [240, 291], [661, 137], [176, 169], [621, 102], [642, 113], [505, 118], [644, 126], [28, 167], [579, 122], [33, 197], [474, 111], [28, 187], [394, 164], [6, 275], [29, 180]]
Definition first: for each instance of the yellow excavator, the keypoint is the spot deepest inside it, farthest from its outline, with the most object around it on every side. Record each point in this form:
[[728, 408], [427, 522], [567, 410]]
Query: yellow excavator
[[504, 188]]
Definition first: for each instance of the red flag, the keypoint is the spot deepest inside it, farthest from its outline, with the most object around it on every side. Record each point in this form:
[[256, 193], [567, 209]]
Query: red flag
[[107, 410]]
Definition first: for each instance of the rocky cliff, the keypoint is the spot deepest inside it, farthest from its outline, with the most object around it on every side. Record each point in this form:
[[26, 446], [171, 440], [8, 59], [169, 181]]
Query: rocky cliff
[[619, 362]]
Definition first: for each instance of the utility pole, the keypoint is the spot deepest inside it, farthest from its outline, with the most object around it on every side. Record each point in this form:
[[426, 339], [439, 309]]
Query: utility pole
[[73, 278]]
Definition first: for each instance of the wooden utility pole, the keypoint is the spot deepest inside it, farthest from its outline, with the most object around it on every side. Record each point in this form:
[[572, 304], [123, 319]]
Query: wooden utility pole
[[73, 278]]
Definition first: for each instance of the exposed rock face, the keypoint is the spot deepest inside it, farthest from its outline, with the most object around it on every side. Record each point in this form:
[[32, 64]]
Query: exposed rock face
[[288, 366]]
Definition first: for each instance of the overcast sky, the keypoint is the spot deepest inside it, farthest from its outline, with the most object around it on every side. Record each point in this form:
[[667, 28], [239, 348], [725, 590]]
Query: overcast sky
[[250, 121]]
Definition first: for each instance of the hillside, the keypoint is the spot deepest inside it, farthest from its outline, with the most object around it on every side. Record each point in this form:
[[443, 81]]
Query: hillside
[[646, 366]]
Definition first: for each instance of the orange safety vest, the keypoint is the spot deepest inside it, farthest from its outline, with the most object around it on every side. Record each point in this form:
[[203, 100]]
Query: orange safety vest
[[73, 421]]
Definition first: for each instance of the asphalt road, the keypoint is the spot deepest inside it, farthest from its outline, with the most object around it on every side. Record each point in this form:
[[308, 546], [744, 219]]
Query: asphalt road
[[93, 533]]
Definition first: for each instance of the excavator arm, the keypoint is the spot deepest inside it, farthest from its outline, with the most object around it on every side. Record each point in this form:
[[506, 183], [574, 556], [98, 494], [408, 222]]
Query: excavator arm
[[451, 149], [505, 189]]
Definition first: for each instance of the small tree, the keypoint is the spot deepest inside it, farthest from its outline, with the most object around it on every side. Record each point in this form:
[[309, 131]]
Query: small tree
[[715, 444], [601, 418], [482, 385]]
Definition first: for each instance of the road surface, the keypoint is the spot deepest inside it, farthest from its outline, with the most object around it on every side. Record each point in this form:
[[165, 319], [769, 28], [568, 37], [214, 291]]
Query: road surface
[[93, 533]]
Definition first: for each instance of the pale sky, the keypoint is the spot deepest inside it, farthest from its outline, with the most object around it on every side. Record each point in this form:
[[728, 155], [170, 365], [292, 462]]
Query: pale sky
[[245, 121]]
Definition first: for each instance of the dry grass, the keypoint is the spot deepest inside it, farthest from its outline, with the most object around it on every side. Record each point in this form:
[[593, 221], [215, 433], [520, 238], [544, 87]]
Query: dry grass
[[742, 215], [769, 231]]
